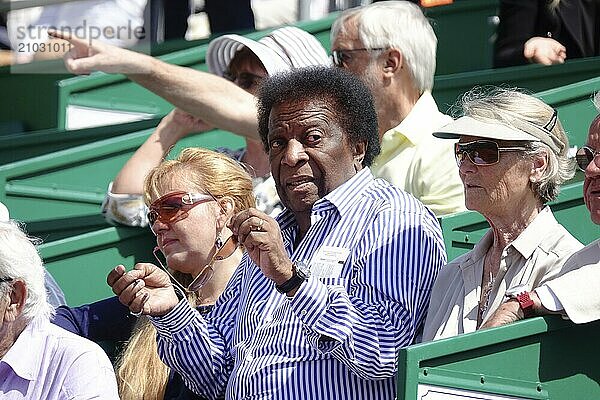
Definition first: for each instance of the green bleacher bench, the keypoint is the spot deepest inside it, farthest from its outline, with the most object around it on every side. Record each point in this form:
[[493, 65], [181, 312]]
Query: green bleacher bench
[[534, 77], [22, 145], [59, 194], [81, 263], [464, 29], [540, 358], [465, 32]]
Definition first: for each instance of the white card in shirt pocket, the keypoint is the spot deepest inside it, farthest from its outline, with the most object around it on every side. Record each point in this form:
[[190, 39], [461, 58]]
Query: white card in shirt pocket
[[328, 261]]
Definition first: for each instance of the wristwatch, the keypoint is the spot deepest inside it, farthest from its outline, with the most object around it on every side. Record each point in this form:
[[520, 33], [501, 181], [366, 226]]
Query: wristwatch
[[300, 274], [521, 294]]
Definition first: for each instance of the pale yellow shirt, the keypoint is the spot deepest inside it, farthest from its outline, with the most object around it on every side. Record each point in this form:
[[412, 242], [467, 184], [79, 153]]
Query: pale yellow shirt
[[535, 256], [423, 165]]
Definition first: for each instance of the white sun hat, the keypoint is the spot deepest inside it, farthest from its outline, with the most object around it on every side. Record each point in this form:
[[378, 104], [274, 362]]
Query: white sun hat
[[521, 130], [281, 50]]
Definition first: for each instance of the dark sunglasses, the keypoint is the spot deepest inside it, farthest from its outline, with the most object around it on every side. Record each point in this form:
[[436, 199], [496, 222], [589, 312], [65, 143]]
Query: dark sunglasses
[[585, 156], [481, 152], [340, 58], [174, 207], [244, 80], [206, 273]]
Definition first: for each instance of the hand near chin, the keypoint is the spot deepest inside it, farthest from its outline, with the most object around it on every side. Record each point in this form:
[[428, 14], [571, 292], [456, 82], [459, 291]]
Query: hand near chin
[[146, 289], [261, 236]]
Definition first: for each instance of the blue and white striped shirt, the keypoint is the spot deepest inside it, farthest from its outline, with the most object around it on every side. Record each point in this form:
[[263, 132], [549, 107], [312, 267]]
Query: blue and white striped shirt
[[337, 338]]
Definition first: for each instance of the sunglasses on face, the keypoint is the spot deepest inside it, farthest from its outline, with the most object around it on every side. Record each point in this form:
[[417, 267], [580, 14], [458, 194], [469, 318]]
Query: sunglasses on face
[[585, 156], [244, 80], [481, 152], [341, 58], [207, 272], [174, 207]]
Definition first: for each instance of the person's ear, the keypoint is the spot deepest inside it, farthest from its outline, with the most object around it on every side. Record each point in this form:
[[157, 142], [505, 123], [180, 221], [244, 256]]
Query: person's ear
[[226, 210], [394, 61], [360, 149], [538, 167], [18, 296]]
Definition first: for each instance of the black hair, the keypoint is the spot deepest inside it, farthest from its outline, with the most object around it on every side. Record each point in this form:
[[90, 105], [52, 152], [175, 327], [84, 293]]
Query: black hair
[[350, 98]]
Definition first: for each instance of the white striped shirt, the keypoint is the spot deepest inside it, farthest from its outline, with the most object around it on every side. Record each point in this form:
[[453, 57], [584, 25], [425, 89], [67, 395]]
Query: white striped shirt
[[337, 338]]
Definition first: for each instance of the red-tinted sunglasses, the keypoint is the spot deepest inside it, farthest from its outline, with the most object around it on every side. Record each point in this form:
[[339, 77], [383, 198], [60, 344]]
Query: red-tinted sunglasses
[[174, 207], [481, 152]]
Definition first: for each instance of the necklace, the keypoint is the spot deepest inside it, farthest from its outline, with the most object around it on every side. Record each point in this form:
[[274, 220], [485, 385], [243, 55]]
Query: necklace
[[486, 292]]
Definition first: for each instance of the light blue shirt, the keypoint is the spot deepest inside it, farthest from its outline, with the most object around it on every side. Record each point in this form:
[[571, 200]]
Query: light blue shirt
[[47, 362], [339, 336]]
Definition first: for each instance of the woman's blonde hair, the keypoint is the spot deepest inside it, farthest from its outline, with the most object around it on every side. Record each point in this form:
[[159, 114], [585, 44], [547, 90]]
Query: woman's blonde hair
[[140, 372]]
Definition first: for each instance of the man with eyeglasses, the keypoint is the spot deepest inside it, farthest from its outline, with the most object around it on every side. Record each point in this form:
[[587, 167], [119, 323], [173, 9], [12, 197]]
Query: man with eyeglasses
[[39, 360], [391, 46], [575, 292]]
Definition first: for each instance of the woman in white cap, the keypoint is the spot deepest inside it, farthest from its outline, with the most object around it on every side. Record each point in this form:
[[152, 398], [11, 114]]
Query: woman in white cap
[[512, 158], [245, 62]]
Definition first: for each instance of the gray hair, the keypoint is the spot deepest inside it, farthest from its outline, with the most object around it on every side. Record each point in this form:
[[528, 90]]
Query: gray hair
[[19, 259], [516, 110], [400, 25]]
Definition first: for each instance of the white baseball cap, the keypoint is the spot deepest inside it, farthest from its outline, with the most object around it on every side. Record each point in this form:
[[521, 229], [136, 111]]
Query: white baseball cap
[[282, 50]]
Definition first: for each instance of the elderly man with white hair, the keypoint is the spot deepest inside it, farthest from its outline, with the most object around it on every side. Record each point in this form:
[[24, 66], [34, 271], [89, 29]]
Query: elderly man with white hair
[[56, 297], [39, 360]]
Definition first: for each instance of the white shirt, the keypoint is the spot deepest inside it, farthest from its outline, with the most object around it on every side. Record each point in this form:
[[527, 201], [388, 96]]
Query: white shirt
[[534, 257]]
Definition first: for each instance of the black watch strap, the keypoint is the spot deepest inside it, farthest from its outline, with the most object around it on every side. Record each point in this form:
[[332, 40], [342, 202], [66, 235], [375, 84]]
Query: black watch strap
[[293, 283]]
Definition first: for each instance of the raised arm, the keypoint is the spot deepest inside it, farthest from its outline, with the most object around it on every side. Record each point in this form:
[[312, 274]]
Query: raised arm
[[212, 98], [173, 127]]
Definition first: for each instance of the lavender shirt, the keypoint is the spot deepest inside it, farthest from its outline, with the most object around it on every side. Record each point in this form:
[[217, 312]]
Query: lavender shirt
[[47, 362]]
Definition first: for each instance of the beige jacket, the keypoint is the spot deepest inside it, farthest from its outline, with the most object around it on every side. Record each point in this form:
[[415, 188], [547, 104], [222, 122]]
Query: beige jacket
[[534, 257]]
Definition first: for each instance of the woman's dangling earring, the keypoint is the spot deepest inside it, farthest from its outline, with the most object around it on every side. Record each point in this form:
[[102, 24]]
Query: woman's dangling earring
[[219, 241]]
